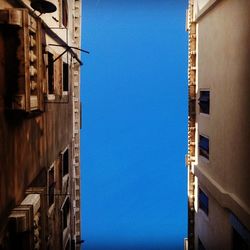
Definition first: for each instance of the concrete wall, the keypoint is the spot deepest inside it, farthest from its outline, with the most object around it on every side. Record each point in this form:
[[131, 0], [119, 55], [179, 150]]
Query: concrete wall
[[223, 47]]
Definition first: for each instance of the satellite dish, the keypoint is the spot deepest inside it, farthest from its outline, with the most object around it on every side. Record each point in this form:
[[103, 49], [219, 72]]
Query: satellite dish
[[43, 6]]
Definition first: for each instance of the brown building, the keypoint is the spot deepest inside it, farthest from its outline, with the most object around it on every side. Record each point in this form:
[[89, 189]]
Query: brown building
[[218, 125], [39, 124]]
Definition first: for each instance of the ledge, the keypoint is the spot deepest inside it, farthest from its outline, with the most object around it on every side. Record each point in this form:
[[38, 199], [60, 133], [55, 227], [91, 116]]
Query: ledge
[[223, 197], [199, 13]]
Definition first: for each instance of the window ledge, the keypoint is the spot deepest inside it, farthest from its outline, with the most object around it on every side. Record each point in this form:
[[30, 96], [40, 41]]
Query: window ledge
[[204, 115], [51, 97], [63, 98], [204, 159], [204, 9]]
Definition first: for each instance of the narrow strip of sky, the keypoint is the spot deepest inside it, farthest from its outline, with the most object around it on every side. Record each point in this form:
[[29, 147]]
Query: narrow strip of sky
[[134, 124]]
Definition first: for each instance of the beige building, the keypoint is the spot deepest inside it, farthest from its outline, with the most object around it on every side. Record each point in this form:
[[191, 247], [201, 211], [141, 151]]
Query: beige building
[[218, 125], [40, 115]]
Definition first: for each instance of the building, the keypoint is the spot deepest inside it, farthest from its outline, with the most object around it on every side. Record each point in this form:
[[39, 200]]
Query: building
[[40, 116], [218, 124]]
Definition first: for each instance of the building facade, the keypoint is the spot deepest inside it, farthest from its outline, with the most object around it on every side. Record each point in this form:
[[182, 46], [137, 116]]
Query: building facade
[[40, 116], [218, 124]]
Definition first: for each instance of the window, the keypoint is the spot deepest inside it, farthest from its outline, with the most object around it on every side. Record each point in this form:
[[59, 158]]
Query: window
[[65, 162], [240, 234], [51, 185], [65, 211], [204, 102], [238, 241], [200, 245], [204, 146], [64, 13], [203, 201], [51, 88], [65, 77]]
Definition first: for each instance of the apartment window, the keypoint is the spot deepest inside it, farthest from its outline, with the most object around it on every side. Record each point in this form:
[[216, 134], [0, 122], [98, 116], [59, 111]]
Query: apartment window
[[65, 162], [65, 13], [204, 101], [51, 185], [203, 201], [204, 146], [65, 77], [240, 234], [238, 241], [200, 245], [65, 211], [51, 87]]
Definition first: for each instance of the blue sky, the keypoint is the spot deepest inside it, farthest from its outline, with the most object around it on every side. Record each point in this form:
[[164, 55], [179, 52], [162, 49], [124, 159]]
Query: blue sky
[[134, 135]]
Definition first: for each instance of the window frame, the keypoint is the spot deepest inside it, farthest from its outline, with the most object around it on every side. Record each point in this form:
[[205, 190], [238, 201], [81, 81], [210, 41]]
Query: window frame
[[51, 186], [200, 244], [65, 78], [238, 240], [67, 245], [203, 204], [204, 101], [65, 154], [203, 148], [65, 214], [240, 233], [65, 13], [51, 74]]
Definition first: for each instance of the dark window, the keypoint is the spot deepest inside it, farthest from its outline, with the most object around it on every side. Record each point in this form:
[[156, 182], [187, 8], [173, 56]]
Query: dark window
[[200, 245], [65, 162], [51, 186], [203, 201], [51, 73], [238, 242], [65, 77], [65, 218], [204, 101], [64, 13], [204, 146]]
